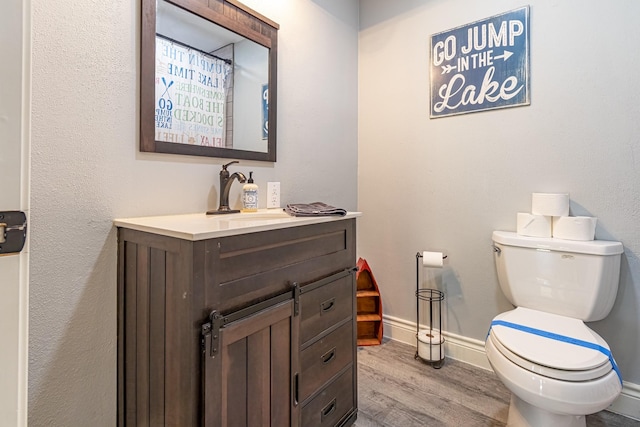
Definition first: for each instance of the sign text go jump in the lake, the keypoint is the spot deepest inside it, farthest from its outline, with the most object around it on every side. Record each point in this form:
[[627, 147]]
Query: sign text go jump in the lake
[[481, 66]]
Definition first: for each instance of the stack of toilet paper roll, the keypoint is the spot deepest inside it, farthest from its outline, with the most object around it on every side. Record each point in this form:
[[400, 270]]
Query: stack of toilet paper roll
[[549, 217], [430, 345]]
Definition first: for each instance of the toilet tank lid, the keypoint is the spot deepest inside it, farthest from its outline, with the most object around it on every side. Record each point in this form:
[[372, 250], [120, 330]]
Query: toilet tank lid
[[594, 247]]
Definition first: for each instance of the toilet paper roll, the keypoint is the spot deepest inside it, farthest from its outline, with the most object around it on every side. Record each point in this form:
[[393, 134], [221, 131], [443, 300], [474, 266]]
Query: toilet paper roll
[[432, 259], [550, 204], [430, 345], [574, 227], [534, 225]]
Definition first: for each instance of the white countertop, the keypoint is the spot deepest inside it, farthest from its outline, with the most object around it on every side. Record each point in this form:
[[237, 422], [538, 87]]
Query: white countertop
[[201, 226]]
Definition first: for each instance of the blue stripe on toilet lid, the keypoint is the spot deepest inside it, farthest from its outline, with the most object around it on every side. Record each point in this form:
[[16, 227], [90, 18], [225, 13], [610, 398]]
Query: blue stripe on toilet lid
[[551, 340]]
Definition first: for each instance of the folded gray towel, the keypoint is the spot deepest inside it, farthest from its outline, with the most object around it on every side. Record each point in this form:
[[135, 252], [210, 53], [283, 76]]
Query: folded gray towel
[[313, 209]]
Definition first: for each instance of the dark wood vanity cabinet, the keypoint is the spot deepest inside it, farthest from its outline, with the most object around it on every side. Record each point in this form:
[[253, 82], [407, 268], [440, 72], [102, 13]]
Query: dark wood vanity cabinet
[[254, 329]]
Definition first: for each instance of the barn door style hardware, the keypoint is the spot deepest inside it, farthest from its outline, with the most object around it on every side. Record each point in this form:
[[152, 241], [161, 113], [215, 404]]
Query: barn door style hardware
[[210, 330], [13, 231], [211, 333]]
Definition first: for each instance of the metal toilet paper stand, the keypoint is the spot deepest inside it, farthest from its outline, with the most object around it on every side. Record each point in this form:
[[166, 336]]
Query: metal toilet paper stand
[[429, 341]]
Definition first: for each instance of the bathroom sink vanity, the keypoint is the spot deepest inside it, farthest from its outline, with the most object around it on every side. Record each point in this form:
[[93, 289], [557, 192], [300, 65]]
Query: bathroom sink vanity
[[237, 320]]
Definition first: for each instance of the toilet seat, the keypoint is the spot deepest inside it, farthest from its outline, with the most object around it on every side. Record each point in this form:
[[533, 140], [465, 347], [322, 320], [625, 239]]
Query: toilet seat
[[559, 347], [543, 394]]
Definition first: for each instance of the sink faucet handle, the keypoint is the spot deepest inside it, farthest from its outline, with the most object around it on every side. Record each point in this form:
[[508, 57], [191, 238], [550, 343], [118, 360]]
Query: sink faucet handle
[[224, 167]]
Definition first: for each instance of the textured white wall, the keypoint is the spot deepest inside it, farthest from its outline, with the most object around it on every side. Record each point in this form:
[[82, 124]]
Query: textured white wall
[[446, 184], [14, 194], [87, 170]]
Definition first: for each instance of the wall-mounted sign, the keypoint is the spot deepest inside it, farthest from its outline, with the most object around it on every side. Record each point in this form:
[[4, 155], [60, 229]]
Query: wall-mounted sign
[[481, 66], [190, 95]]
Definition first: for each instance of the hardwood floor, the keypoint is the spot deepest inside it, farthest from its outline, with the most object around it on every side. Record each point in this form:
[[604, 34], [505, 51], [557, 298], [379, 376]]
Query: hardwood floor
[[396, 390]]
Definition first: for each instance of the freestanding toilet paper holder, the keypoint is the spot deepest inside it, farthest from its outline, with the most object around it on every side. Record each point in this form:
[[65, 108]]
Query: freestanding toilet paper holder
[[429, 341]]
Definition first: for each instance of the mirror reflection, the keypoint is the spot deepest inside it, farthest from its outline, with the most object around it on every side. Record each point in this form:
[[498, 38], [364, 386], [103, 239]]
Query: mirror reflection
[[208, 80], [211, 84]]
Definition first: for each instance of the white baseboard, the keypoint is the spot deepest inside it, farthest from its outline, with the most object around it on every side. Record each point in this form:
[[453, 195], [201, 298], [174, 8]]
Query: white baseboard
[[628, 403], [456, 347], [471, 351]]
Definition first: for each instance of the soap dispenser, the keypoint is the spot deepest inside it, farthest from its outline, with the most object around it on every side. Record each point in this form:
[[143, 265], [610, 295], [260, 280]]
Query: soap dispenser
[[250, 195]]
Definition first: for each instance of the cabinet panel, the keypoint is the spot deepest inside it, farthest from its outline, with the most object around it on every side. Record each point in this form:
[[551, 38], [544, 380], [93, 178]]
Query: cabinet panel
[[283, 363], [248, 268], [155, 319], [241, 256], [234, 384]]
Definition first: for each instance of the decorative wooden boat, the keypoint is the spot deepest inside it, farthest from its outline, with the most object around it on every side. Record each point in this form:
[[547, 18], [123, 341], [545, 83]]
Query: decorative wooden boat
[[369, 306]]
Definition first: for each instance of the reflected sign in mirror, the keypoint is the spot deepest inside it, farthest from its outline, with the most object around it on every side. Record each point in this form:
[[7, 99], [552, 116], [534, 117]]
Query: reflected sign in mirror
[[213, 82]]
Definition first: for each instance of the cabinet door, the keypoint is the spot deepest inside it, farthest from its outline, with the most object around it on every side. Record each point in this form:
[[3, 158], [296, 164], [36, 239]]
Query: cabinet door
[[248, 381]]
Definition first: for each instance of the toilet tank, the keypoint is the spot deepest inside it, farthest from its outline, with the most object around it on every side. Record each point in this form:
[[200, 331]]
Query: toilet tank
[[577, 279]]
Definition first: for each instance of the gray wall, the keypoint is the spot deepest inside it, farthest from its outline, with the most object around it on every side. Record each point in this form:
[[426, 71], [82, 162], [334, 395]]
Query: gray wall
[[422, 184], [87, 170], [446, 184]]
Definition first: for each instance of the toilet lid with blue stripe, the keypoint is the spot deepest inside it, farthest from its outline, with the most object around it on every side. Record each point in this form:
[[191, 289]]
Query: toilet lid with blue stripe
[[550, 340]]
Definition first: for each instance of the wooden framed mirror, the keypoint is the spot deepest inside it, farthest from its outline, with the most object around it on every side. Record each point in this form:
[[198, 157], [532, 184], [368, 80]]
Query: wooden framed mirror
[[208, 74]]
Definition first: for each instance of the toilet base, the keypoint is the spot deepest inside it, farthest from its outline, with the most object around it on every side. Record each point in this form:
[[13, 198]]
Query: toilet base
[[522, 414]]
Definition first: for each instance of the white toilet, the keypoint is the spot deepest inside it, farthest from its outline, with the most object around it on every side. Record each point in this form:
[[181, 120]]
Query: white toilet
[[558, 369]]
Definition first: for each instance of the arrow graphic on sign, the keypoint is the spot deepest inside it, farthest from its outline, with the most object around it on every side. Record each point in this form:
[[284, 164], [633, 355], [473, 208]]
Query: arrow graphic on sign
[[504, 56], [447, 68]]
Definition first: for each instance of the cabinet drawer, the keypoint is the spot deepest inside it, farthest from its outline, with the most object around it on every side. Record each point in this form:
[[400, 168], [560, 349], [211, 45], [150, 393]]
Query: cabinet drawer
[[243, 269], [325, 306], [332, 403], [325, 358]]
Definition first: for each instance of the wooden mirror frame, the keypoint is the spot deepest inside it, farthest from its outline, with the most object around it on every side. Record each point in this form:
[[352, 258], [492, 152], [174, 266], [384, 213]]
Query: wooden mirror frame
[[233, 16]]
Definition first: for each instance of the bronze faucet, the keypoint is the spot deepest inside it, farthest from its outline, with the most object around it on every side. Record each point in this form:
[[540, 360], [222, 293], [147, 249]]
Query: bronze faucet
[[225, 186]]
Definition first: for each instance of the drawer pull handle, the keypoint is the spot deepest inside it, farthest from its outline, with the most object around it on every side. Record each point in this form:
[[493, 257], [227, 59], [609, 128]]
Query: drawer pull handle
[[329, 356], [328, 410], [296, 389], [328, 305]]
